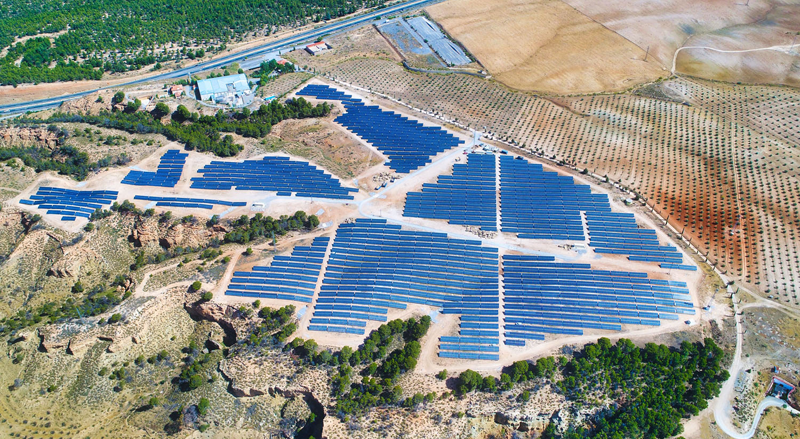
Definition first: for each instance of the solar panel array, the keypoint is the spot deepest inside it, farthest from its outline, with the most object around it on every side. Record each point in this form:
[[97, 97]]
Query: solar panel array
[[408, 143], [272, 173], [618, 234], [468, 197], [192, 203], [168, 173], [542, 297], [375, 266], [293, 277], [679, 267], [537, 204], [70, 204]]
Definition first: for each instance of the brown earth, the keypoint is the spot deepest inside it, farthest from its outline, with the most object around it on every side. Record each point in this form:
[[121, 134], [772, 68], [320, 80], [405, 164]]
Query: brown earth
[[545, 45], [24, 136]]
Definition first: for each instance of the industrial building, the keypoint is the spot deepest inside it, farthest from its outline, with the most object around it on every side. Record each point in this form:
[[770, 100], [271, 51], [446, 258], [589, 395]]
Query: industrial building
[[233, 90]]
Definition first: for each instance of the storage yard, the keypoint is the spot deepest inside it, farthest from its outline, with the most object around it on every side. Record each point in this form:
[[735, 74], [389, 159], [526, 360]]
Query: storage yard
[[419, 37]]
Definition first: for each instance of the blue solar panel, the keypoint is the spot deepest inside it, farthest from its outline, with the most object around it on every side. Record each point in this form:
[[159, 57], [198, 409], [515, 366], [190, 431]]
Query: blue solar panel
[[70, 204], [514, 342], [287, 278], [272, 173], [189, 203], [467, 197], [679, 266], [168, 173], [408, 143]]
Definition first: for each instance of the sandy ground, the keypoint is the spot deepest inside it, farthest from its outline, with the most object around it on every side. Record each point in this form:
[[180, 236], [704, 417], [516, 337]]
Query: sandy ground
[[666, 25], [545, 45], [760, 52]]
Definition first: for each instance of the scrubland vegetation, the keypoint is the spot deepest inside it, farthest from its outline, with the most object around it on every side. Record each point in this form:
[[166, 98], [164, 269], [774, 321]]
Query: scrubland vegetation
[[655, 387], [201, 133]]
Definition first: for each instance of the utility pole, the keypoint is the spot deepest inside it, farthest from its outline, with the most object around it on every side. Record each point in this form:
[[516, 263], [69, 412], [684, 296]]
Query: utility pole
[[646, 53]]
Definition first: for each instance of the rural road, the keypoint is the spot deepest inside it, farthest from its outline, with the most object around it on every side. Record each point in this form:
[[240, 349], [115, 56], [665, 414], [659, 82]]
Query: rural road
[[303, 37], [765, 404], [723, 408], [785, 49]]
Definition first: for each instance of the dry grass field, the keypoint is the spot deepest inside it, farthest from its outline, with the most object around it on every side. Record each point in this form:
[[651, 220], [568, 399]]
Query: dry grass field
[[584, 46], [721, 167], [545, 45], [666, 25]]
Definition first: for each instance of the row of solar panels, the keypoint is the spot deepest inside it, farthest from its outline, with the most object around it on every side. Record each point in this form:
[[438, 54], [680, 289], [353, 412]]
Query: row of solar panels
[[338, 329], [679, 266], [191, 200], [262, 295], [468, 356], [70, 204], [407, 143], [272, 173], [168, 174]]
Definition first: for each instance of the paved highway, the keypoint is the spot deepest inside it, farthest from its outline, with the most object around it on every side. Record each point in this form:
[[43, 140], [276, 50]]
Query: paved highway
[[303, 37]]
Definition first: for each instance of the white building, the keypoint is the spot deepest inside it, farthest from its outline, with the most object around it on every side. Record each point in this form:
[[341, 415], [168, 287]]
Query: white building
[[232, 90], [317, 48]]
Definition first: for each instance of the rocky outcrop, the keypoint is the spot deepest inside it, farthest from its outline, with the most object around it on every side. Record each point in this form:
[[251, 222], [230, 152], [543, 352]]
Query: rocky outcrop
[[226, 316], [50, 339], [149, 231], [145, 231], [25, 136], [69, 265], [91, 104], [186, 235]]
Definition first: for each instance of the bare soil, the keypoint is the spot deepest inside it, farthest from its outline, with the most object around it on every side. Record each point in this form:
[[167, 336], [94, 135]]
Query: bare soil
[[545, 45]]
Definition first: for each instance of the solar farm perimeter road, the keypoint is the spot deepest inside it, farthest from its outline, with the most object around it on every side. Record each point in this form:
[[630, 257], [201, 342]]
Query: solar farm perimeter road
[[43, 104]]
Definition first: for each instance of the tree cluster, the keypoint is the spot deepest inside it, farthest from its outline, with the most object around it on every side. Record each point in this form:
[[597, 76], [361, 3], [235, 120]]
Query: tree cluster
[[377, 386], [277, 326], [97, 301], [201, 133], [119, 36], [655, 386], [246, 229], [268, 67]]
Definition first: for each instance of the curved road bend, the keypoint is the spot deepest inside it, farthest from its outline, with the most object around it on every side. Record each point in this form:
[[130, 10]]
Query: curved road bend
[[310, 35]]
